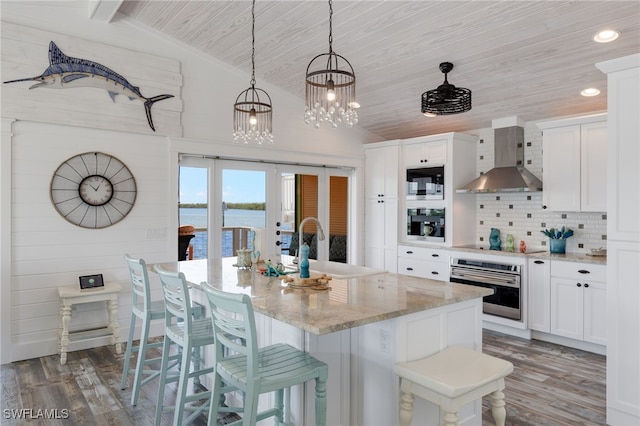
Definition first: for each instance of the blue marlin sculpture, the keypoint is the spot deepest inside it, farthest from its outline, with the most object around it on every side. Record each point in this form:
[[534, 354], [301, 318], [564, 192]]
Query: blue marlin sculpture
[[66, 72]]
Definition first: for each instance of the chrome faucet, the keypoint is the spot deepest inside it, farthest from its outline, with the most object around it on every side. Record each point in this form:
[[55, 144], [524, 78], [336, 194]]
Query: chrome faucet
[[300, 233]]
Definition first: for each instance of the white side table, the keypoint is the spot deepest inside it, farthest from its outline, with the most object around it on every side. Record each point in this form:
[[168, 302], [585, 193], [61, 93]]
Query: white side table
[[72, 295]]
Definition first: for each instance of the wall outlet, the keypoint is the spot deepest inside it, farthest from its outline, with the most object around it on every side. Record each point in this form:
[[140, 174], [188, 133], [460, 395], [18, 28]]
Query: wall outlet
[[153, 233], [385, 341]]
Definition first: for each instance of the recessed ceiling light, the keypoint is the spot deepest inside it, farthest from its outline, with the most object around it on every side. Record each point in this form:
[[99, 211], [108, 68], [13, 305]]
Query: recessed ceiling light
[[591, 91], [606, 36]]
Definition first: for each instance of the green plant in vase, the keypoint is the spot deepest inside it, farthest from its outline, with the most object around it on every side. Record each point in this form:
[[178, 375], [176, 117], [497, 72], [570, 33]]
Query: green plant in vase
[[558, 239]]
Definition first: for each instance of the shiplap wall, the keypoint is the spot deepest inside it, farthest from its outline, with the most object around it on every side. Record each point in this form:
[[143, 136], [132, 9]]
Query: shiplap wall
[[49, 252], [25, 53]]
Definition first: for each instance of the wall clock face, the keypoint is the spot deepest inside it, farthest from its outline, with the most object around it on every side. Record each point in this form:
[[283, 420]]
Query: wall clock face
[[93, 190]]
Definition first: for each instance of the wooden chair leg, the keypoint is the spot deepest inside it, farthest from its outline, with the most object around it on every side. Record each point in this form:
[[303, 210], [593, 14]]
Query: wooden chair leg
[[127, 354], [163, 380], [142, 356], [406, 407], [182, 385], [321, 401], [498, 408], [279, 418]]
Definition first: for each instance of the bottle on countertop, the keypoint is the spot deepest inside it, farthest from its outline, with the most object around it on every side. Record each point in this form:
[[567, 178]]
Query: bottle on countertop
[[304, 261]]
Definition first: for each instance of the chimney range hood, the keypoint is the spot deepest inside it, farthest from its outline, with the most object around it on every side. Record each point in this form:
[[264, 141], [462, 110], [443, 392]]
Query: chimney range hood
[[509, 173]]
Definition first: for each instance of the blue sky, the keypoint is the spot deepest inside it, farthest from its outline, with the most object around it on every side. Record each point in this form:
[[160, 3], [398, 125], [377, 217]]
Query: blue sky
[[239, 186]]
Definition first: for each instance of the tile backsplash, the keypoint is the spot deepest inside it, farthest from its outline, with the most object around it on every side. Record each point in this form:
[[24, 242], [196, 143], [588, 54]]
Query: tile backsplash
[[521, 214]]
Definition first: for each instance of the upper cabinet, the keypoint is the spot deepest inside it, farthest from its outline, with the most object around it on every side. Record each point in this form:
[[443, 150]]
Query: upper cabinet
[[381, 170], [574, 160], [424, 153]]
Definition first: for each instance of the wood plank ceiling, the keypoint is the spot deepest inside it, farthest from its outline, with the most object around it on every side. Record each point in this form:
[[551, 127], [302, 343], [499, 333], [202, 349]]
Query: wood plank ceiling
[[524, 58]]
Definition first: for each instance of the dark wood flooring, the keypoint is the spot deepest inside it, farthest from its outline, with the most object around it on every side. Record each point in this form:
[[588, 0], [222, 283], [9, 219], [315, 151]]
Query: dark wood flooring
[[551, 385]]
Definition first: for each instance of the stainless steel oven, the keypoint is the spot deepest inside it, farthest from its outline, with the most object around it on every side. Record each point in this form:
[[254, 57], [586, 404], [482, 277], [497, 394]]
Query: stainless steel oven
[[503, 279]]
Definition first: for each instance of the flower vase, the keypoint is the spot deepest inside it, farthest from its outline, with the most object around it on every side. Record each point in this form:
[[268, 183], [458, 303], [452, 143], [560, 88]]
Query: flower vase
[[557, 246]]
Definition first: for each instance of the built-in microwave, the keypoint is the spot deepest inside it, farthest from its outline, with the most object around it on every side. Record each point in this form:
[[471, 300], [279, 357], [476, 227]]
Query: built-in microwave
[[425, 224], [425, 183]]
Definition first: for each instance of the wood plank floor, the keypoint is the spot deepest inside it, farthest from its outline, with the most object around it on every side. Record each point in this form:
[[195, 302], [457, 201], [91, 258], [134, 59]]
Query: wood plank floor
[[551, 385]]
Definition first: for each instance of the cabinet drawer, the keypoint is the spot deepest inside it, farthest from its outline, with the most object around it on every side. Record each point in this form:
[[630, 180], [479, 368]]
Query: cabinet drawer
[[423, 253], [579, 271], [423, 268]]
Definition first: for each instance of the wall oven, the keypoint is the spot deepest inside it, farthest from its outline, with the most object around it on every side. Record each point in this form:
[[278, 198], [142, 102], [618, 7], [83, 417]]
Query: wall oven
[[503, 279]]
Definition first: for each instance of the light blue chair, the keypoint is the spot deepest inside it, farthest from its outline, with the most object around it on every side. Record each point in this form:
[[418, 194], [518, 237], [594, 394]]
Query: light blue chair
[[256, 370], [190, 335], [146, 310]]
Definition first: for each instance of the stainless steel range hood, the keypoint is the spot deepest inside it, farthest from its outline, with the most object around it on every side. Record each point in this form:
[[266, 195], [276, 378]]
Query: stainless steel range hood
[[509, 173]]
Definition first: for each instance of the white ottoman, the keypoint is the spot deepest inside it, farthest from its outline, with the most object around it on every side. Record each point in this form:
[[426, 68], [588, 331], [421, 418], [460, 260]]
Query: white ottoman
[[452, 378]]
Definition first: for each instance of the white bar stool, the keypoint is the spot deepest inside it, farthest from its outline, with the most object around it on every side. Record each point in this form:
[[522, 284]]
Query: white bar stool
[[451, 379]]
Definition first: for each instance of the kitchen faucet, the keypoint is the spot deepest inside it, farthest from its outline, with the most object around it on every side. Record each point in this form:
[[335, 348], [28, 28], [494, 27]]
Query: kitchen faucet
[[300, 228]]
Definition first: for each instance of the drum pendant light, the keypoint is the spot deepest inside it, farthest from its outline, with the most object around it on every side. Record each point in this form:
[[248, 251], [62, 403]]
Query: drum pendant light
[[330, 88], [447, 98], [252, 110]]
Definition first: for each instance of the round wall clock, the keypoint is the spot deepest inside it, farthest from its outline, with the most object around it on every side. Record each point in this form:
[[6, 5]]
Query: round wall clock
[[93, 190]]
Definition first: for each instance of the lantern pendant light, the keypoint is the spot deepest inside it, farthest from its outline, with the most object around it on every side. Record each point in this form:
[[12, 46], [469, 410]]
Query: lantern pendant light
[[252, 110], [330, 88]]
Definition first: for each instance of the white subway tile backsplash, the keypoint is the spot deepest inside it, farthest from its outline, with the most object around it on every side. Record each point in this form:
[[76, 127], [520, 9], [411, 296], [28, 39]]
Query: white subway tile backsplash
[[521, 214]]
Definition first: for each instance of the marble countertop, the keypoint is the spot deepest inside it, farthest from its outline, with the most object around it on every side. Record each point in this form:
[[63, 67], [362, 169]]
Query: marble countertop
[[349, 303], [534, 253]]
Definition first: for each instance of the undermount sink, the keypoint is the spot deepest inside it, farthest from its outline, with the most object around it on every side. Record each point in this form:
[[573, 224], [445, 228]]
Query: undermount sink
[[339, 270]]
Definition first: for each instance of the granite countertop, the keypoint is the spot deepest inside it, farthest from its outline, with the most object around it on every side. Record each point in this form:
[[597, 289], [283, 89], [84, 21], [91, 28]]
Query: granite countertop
[[350, 302], [533, 253], [571, 257]]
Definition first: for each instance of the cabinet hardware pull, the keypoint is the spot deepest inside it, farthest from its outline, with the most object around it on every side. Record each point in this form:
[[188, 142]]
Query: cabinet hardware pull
[[409, 252], [538, 262], [278, 243], [586, 285], [435, 255], [579, 285], [409, 269], [434, 272], [583, 271]]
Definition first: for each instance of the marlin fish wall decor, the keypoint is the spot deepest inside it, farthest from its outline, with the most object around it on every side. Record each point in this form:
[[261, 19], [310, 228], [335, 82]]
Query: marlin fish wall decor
[[67, 72]]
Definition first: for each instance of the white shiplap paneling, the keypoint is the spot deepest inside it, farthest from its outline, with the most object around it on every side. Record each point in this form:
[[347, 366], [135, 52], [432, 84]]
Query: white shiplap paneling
[[49, 252], [25, 53]]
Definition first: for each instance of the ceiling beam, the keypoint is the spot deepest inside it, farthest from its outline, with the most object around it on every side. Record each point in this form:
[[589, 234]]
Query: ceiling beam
[[103, 10]]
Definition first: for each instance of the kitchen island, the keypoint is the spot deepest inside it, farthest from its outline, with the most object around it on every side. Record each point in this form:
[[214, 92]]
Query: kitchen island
[[360, 327]]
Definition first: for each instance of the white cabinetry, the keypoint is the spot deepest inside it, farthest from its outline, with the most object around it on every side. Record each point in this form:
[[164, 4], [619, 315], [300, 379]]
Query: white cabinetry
[[456, 152], [574, 164], [423, 153], [623, 240], [539, 282], [578, 301], [381, 170], [423, 262], [381, 214]]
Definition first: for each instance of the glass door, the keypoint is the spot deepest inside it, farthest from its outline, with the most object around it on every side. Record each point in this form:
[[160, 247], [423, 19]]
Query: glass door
[[271, 199]]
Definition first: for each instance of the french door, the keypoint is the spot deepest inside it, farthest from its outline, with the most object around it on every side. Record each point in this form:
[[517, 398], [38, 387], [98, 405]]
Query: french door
[[270, 199]]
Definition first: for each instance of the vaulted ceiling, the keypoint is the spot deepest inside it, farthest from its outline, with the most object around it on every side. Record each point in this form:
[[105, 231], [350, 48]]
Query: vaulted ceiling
[[524, 58]]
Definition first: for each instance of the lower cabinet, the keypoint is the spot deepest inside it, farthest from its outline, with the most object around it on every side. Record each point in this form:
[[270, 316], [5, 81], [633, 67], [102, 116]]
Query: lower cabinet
[[579, 301], [539, 292], [423, 262]]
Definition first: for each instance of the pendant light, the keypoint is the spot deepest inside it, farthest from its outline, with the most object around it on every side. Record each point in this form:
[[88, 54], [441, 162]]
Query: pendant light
[[330, 88], [252, 110], [447, 98]]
